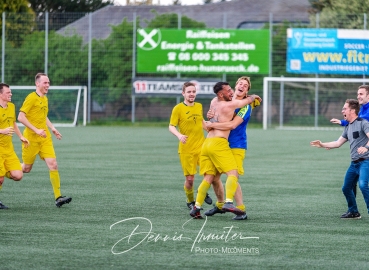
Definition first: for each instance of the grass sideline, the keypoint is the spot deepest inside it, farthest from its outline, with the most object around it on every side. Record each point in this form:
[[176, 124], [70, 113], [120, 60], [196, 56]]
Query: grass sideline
[[130, 176]]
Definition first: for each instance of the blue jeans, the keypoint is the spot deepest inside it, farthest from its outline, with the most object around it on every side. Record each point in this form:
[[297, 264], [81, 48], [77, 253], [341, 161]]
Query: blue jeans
[[357, 172]]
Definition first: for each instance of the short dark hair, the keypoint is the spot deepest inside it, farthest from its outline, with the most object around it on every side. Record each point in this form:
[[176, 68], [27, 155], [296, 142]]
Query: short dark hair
[[187, 84], [353, 104], [2, 85], [366, 87], [38, 75], [219, 86]]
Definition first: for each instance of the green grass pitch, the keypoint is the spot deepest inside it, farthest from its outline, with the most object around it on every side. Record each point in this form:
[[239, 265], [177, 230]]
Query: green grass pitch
[[129, 212]]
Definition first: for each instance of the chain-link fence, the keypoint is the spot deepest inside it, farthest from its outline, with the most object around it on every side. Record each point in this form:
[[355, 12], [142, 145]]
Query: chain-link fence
[[102, 60]]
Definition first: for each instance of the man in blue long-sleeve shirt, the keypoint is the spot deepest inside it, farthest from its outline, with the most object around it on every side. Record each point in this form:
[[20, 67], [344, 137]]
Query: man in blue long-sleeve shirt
[[363, 98]]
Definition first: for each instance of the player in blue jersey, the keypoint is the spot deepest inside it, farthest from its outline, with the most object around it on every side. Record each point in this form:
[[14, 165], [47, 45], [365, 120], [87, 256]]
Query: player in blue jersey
[[363, 98], [238, 144]]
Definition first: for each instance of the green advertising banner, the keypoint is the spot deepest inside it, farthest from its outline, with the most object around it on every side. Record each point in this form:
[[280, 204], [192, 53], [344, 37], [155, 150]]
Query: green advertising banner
[[202, 51]]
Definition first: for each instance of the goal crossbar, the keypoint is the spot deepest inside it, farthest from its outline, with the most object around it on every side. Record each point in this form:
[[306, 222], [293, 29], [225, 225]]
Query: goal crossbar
[[268, 80], [80, 90]]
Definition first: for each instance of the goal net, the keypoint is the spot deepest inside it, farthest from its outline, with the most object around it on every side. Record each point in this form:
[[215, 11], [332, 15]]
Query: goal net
[[306, 103], [65, 107]]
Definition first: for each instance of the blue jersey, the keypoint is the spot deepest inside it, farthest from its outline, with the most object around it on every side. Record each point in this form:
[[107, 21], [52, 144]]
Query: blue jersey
[[363, 113], [238, 137]]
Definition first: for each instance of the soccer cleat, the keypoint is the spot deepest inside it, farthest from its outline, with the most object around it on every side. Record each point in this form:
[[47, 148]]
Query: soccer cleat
[[229, 207], [214, 211], [195, 212], [349, 215], [2, 206], [208, 200], [190, 205], [62, 200], [240, 217]]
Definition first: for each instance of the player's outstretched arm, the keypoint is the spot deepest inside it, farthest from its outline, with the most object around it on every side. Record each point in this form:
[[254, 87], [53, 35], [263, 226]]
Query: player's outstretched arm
[[328, 145], [229, 125], [239, 103]]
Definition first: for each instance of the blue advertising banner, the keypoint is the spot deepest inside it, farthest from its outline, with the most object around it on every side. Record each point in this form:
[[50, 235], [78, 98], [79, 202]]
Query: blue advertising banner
[[328, 51]]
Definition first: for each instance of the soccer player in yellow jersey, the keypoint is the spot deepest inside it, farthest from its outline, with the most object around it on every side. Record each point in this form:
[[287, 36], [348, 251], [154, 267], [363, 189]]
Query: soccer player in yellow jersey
[[10, 165], [188, 117], [216, 155], [33, 114]]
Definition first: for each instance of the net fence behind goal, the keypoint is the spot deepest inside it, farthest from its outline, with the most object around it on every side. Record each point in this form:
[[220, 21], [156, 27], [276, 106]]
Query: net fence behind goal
[[306, 103], [66, 108]]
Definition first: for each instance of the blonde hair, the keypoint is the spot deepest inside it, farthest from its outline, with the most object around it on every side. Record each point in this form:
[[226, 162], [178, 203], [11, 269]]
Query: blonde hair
[[246, 79]]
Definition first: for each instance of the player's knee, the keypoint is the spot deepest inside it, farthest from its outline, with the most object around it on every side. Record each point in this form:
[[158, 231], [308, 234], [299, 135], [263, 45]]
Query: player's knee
[[52, 164], [17, 176], [190, 180]]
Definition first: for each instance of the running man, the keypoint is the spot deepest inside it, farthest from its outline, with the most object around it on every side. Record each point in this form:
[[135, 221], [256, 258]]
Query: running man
[[33, 114], [10, 165]]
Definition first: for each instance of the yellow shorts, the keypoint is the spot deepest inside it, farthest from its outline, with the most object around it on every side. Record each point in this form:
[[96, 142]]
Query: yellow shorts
[[189, 162], [44, 149], [9, 162], [239, 155], [216, 156]]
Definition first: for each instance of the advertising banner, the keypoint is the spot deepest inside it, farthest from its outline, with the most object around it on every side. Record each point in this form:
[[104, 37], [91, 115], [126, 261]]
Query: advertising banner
[[154, 86], [202, 51], [328, 51]]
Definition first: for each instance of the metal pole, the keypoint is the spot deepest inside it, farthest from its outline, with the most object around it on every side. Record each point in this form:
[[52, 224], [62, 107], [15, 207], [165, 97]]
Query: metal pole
[[179, 27], [316, 113], [89, 101], [46, 41], [3, 51], [133, 110], [281, 104], [269, 103], [364, 29], [224, 77]]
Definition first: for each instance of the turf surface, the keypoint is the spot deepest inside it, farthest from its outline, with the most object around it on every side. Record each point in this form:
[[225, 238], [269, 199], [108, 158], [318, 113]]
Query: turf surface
[[129, 211]]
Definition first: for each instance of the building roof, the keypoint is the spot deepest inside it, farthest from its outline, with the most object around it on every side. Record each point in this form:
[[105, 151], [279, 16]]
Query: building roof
[[230, 14]]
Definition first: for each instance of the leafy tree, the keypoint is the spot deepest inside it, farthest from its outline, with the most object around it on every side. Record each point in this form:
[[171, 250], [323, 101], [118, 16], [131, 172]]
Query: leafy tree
[[19, 20], [339, 13], [54, 6], [59, 9], [170, 20]]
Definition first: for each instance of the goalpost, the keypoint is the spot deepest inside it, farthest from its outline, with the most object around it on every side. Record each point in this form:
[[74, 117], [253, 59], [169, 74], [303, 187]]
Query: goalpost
[[64, 103], [306, 103]]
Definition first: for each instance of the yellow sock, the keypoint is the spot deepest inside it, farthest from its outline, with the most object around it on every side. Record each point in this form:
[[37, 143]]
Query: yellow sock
[[242, 207], [201, 193], [219, 205], [189, 194], [8, 175], [231, 187], [55, 182]]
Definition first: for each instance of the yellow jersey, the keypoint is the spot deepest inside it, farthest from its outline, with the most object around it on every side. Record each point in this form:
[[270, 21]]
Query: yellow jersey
[[189, 121], [36, 109], [7, 119]]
